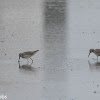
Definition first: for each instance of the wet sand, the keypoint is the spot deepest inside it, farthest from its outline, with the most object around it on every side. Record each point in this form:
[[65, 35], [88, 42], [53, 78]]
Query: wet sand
[[63, 33]]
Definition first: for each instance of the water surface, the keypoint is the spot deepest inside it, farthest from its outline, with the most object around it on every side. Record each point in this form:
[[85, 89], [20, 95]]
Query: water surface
[[63, 31]]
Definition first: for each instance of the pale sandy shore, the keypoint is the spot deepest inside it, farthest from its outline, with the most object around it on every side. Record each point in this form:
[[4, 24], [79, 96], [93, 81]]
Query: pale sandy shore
[[63, 32]]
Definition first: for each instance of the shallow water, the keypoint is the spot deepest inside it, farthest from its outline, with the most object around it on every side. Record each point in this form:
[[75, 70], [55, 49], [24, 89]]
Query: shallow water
[[63, 31]]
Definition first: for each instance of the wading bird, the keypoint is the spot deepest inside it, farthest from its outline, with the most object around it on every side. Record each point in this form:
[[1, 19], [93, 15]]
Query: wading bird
[[95, 51], [27, 55]]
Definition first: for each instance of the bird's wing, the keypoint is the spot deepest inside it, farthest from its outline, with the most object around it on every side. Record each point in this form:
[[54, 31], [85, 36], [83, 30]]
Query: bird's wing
[[97, 50], [28, 53]]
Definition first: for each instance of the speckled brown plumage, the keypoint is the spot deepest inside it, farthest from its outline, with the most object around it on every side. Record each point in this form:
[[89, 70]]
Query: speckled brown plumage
[[27, 55]]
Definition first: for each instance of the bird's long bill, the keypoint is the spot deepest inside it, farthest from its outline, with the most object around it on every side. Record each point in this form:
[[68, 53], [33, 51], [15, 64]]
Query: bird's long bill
[[19, 58], [89, 54]]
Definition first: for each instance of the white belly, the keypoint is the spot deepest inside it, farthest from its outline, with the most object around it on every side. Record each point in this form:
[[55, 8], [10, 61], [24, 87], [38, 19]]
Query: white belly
[[26, 56]]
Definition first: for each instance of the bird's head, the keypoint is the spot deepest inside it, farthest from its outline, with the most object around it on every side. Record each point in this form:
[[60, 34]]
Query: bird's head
[[20, 55], [90, 51]]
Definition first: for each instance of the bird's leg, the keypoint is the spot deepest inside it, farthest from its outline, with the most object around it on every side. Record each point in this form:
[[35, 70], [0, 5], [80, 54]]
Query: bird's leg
[[31, 59], [31, 63], [97, 58], [89, 63], [27, 61]]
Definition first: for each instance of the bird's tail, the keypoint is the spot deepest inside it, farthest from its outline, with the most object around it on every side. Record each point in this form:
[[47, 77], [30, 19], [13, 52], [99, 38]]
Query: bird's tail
[[35, 51]]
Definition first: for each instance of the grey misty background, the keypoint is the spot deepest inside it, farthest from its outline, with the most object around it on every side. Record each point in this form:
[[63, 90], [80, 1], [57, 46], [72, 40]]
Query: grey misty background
[[63, 31]]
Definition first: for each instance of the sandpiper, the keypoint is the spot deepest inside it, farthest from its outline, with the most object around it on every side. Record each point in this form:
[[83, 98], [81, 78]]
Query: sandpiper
[[27, 55], [95, 51]]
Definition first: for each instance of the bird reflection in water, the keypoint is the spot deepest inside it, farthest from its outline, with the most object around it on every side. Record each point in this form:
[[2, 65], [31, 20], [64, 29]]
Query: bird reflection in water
[[27, 67], [94, 66]]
